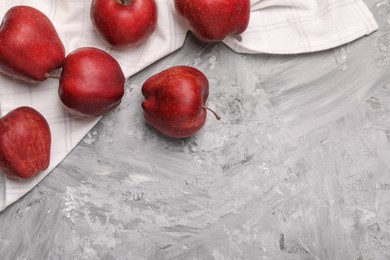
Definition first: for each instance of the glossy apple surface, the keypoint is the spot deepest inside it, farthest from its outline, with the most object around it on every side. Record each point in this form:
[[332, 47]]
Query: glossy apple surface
[[213, 20], [175, 101], [91, 82], [124, 23], [25, 142], [30, 47]]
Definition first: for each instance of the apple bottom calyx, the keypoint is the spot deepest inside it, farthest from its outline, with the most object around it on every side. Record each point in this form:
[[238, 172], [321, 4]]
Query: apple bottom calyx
[[25, 142]]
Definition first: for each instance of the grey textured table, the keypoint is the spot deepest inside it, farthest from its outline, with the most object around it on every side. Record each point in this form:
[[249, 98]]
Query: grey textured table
[[298, 167]]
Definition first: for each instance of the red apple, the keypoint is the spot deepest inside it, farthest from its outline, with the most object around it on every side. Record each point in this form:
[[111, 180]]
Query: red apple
[[30, 47], [213, 20], [91, 82], [175, 101], [25, 142], [124, 23]]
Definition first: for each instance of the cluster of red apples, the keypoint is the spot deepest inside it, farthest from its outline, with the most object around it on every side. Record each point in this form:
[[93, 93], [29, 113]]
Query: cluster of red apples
[[91, 81]]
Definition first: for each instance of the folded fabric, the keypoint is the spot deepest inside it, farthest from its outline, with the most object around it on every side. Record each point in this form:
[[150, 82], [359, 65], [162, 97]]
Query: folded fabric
[[276, 26], [298, 26]]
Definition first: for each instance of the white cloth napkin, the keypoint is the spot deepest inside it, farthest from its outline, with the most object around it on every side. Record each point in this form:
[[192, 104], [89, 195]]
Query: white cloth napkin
[[276, 26]]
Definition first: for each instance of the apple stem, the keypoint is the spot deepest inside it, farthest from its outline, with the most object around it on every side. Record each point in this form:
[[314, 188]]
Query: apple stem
[[212, 111], [48, 75], [124, 2]]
